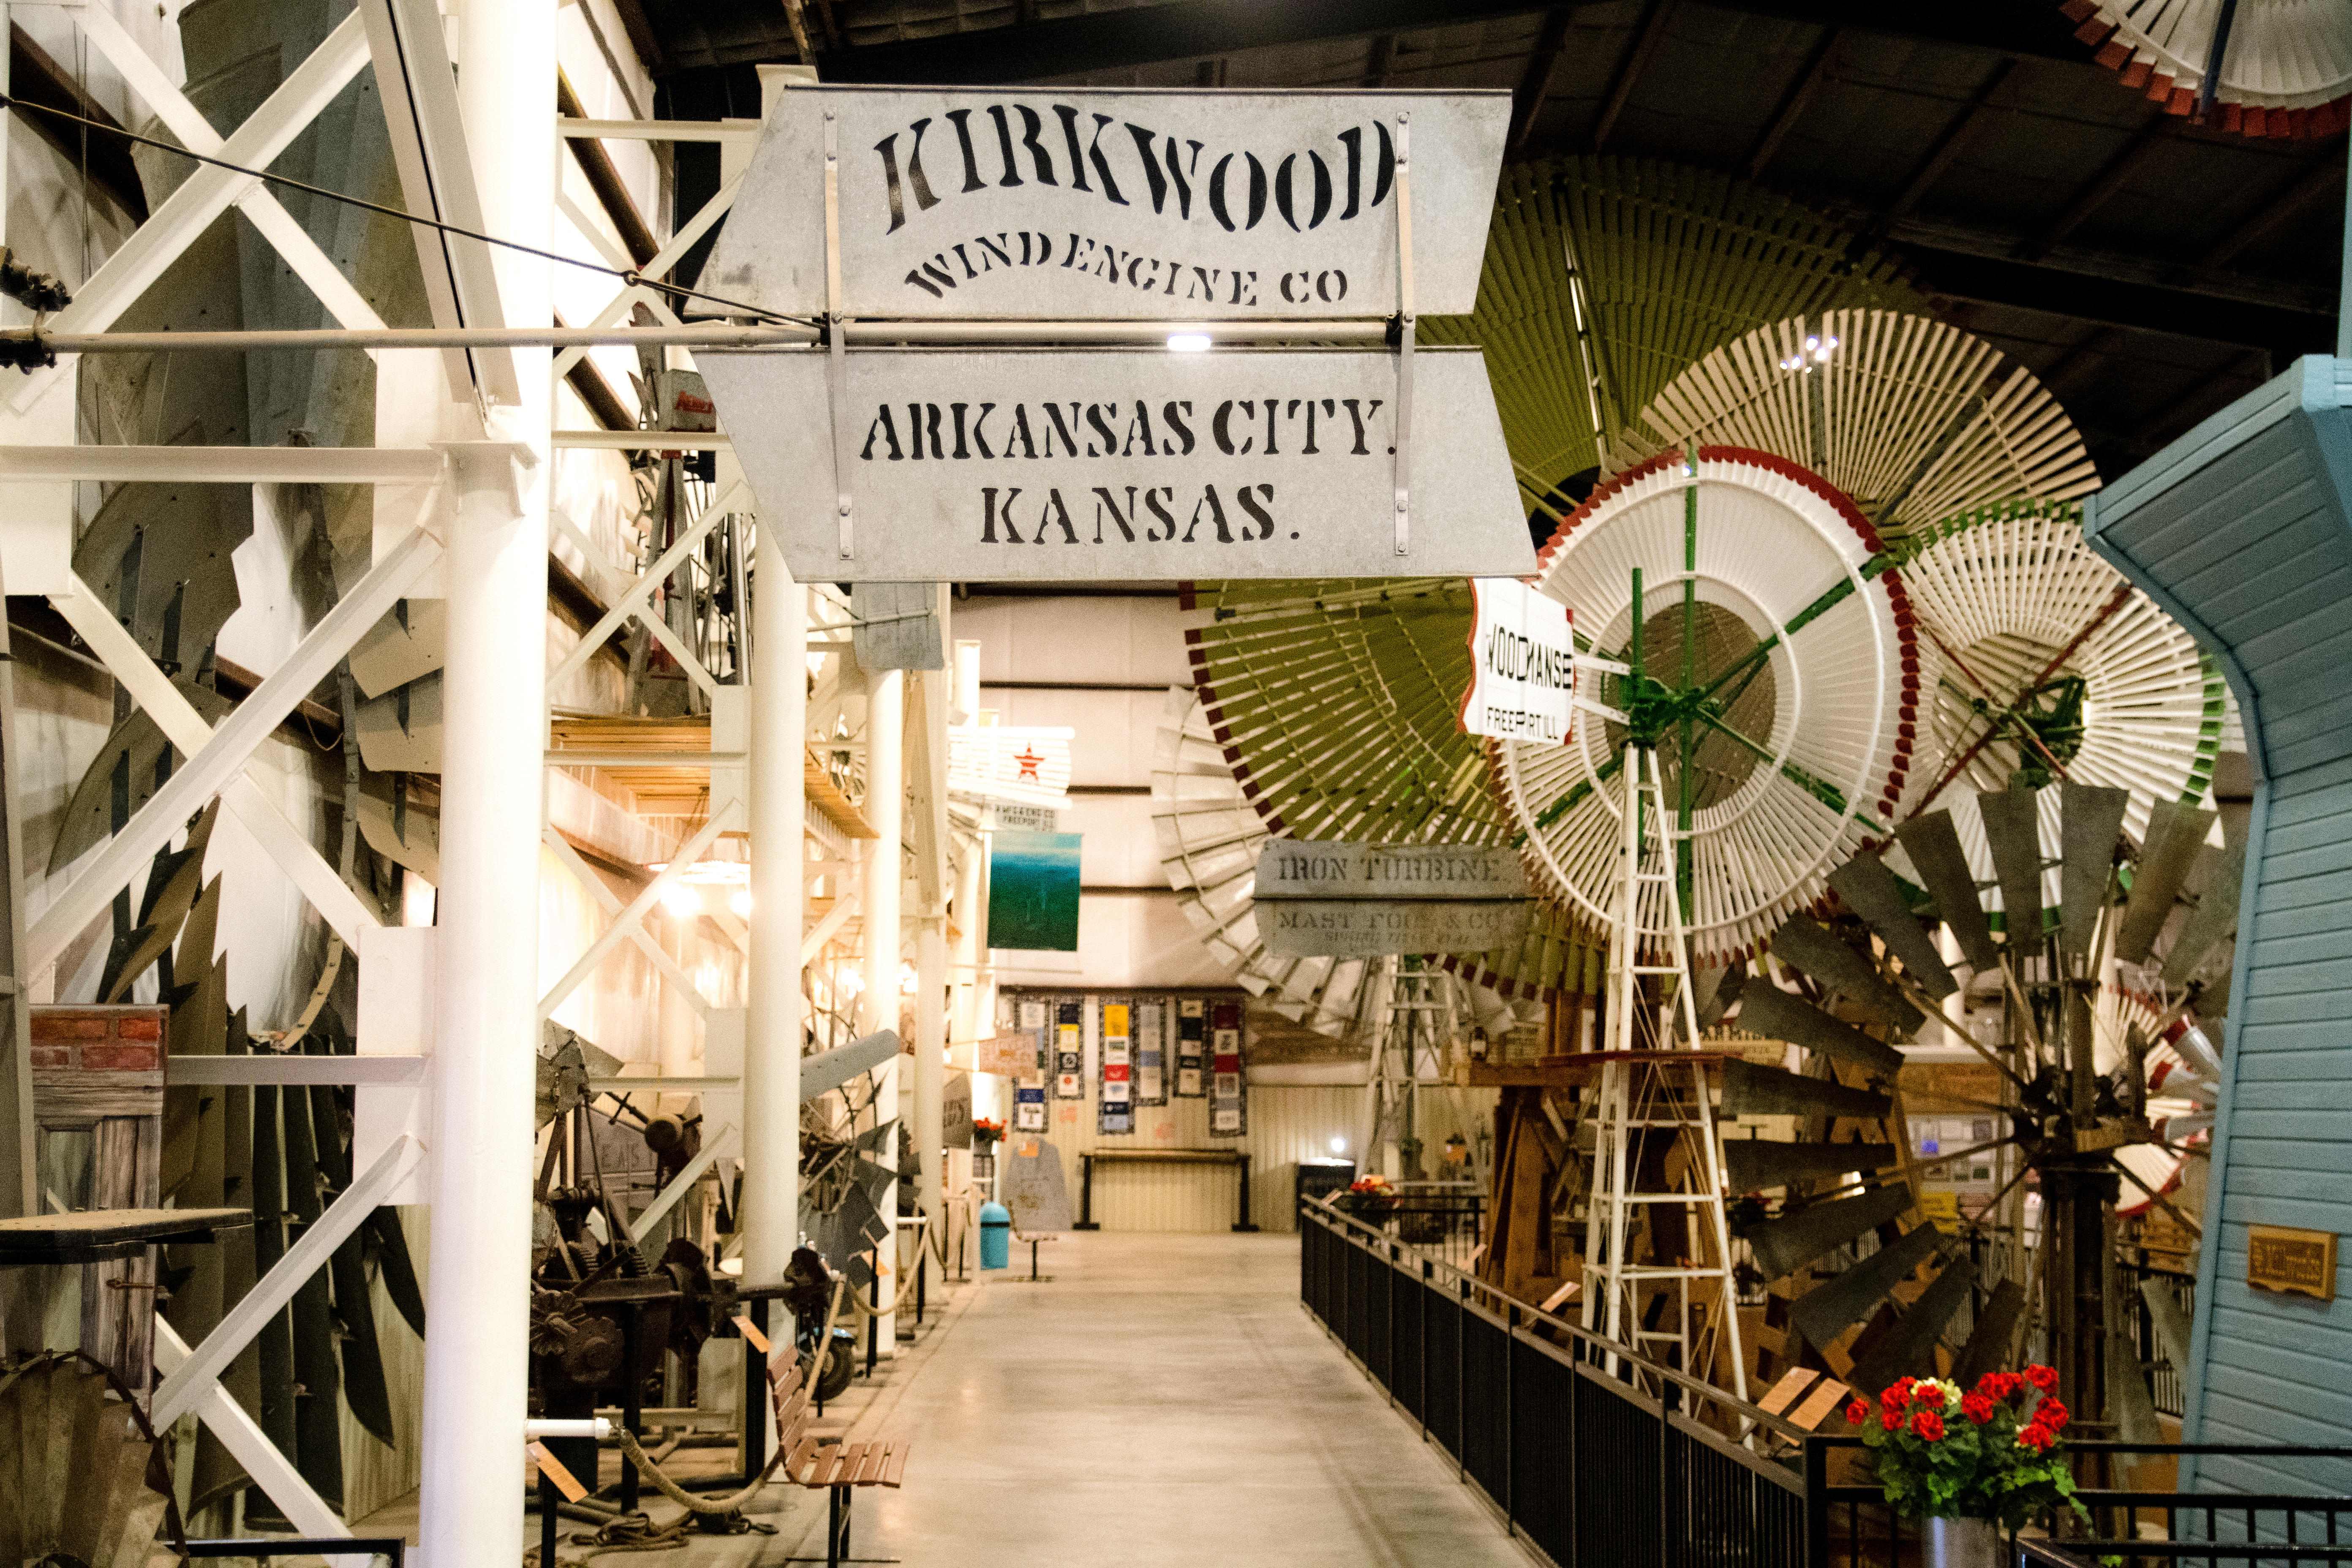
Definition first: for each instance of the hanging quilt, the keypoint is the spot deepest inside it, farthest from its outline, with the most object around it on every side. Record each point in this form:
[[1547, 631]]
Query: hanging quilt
[[1069, 1051], [1151, 1053], [1228, 1101], [1115, 1110], [1191, 1046]]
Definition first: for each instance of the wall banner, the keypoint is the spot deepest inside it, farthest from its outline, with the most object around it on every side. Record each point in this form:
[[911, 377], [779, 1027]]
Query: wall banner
[[1228, 1091], [1114, 1107], [1069, 1051], [1191, 1048]]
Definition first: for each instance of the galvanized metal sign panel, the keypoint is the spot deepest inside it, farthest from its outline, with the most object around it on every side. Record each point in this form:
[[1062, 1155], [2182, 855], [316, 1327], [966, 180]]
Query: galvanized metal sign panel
[[1111, 465], [1374, 928], [1522, 664], [1063, 203], [1324, 868]]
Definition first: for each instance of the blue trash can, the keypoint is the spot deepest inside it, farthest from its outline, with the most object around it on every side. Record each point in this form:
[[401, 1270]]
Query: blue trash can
[[995, 1236]]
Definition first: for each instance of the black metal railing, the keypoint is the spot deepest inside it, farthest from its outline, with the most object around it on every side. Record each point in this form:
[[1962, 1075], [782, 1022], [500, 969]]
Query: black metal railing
[[1600, 1458]]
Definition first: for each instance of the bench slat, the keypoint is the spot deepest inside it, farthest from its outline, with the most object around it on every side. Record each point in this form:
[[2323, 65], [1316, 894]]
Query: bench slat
[[869, 1469], [896, 1466], [806, 1453]]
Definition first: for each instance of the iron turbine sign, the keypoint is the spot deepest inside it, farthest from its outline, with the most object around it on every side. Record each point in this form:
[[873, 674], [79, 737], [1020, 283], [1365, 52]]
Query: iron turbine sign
[[1322, 898], [1288, 210], [1061, 204]]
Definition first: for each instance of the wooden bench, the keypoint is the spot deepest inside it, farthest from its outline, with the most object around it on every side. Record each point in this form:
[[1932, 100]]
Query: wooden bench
[[822, 1464]]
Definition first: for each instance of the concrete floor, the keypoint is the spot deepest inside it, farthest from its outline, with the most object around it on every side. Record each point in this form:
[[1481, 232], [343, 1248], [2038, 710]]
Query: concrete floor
[[1163, 1401]]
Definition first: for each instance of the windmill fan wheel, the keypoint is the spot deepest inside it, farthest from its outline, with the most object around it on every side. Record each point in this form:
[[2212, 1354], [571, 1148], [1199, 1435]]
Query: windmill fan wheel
[[2077, 1115], [83, 1476], [1779, 674]]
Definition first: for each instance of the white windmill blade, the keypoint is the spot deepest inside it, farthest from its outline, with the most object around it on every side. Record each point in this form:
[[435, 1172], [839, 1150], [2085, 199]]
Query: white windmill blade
[[2286, 69], [1788, 582], [1914, 420]]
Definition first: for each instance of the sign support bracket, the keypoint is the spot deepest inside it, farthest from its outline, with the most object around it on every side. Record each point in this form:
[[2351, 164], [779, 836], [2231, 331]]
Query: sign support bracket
[[838, 332], [1405, 324]]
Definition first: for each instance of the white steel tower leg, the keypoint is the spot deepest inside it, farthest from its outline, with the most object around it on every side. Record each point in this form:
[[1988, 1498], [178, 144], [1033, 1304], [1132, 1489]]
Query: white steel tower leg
[[772, 1044], [885, 807], [495, 722]]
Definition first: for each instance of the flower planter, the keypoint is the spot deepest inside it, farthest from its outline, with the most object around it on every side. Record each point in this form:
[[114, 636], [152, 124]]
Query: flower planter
[[1960, 1543]]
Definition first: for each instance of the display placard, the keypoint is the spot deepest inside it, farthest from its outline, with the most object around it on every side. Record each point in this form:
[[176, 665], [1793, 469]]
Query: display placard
[[1522, 664], [1112, 204], [1326, 899], [1123, 465]]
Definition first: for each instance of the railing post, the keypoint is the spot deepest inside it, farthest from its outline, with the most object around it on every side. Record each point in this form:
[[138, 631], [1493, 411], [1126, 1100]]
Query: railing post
[[1461, 1379], [1669, 1513], [1428, 1288], [1575, 1456], [1817, 1502], [1510, 1427]]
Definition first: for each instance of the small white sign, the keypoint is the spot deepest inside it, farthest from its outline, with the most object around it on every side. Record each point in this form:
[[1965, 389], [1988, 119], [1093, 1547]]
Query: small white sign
[[1522, 663], [1006, 764]]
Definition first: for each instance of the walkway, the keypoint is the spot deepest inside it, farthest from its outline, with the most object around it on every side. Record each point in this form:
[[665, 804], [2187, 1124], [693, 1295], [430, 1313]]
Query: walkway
[[1163, 1401]]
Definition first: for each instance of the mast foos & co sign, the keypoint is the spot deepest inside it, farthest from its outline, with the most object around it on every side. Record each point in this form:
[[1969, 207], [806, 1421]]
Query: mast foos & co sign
[[1102, 465], [1072, 203]]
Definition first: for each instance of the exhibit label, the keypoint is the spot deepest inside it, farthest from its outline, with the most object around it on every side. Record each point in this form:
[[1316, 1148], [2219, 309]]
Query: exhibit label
[[1323, 868], [1522, 664], [1093, 204], [1110, 464], [2283, 1258], [1368, 928]]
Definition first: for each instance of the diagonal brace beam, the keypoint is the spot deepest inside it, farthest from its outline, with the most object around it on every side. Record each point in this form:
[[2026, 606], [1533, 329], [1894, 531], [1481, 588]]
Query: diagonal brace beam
[[639, 906], [222, 759], [633, 602], [585, 875], [181, 1389], [153, 691]]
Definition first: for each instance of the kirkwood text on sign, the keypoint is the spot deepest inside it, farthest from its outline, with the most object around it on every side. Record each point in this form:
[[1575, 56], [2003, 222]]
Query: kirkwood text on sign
[[1091, 204], [1110, 464]]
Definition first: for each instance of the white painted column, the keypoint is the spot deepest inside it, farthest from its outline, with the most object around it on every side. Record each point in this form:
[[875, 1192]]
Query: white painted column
[[772, 1047], [932, 956], [494, 725], [886, 808]]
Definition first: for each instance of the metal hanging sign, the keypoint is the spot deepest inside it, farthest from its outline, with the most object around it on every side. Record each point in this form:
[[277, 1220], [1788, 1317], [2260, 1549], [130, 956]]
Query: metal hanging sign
[[1323, 899], [1076, 204], [1522, 664], [1119, 464]]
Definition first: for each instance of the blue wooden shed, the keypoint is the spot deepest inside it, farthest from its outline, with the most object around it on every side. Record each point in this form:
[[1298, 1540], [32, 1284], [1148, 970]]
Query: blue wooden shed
[[2242, 529]]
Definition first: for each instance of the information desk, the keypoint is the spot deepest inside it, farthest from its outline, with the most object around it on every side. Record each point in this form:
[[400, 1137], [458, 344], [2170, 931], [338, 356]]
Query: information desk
[[1237, 1158]]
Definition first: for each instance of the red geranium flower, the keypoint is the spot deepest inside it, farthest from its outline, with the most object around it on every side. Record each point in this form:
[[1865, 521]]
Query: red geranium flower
[[2050, 1414], [1857, 1412], [2044, 1378], [1977, 1408], [1928, 1425], [1891, 1420], [2034, 1437], [1998, 1385]]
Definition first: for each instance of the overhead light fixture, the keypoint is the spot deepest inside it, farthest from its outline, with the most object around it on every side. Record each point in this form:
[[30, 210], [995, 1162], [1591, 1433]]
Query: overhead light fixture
[[1188, 343], [1338, 1145], [681, 900], [740, 903]]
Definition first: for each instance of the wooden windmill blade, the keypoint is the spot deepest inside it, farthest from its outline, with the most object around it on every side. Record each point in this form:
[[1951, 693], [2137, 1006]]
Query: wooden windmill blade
[[2287, 71], [1913, 419], [2052, 664]]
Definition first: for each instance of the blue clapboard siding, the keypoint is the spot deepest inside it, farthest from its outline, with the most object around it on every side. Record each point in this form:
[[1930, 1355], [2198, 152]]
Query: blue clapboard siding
[[2240, 529]]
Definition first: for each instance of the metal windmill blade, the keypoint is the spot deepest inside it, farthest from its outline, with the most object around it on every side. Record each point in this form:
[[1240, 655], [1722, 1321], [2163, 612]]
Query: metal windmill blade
[[1915, 420], [2053, 666], [1769, 623], [1848, 1083], [83, 1478], [2286, 71], [159, 557], [128, 769], [1578, 255]]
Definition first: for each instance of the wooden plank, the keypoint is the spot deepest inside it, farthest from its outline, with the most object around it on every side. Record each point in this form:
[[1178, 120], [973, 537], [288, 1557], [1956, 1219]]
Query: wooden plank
[[804, 1454], [897, 1468], [869, 1465]]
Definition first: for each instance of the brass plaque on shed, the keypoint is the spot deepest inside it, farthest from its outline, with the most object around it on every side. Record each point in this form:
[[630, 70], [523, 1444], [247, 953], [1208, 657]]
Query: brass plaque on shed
[[2302, 1261]]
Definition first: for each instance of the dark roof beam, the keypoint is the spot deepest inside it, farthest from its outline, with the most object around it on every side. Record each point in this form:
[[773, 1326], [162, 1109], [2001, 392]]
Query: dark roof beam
[[1792, 107], [2139, 307], [1956, 139], [1384, 60], [2324, 179], [2152, 138], [604, 179], [1628, 71], [1535, 84]]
